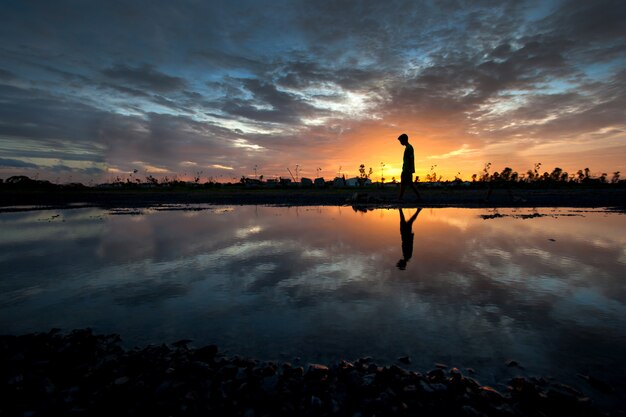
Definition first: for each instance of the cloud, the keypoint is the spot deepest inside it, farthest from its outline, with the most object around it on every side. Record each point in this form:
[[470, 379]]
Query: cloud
[[115, 83], [463, 151], [16, 163], [6, 75], [145, 76]]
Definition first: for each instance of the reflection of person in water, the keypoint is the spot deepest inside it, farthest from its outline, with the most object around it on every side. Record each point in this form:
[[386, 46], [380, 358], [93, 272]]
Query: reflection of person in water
[[406, 232]]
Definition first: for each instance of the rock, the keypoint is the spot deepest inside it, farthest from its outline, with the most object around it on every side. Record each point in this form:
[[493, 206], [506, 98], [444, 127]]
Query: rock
[[471, 412], [426, 388], [439, 388], [396, 370], [456, 373], [316, 402], [316, 367], [409, 389], [491, 394], [405, 360], [206, 353], [269, 384], [368, 380], [121, 380], [441, 366], [436, 375], [201, 366], [596, 383], [182, 344], [512, 363]]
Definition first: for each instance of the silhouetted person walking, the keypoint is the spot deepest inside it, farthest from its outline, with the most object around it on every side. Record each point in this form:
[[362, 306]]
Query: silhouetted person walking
[[407, 235], [408, 167]]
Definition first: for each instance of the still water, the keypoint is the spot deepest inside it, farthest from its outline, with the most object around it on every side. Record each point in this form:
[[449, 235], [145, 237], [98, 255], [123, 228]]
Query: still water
[[466, 287]]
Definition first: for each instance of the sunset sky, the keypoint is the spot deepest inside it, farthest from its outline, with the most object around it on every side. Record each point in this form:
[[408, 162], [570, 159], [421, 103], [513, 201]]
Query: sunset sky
[[91, 90]]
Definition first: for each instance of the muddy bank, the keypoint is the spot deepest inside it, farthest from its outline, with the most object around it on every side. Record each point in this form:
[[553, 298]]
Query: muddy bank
[[453, 197], [85, 374]]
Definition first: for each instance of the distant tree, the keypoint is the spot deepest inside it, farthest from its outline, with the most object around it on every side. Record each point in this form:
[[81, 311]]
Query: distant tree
[[603, 177], [506, 174], [474, 177], [363, 174], [615, 177], [485, 175], [555, 175], [432, 176]]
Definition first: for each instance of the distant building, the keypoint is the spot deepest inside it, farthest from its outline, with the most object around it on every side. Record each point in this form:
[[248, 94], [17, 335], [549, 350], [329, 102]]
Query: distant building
[[339, 182], [319, 182], [356, 182]]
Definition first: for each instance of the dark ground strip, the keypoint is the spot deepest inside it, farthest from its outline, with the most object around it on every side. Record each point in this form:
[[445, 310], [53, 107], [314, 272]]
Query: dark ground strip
[[369, 197], [85, 374]]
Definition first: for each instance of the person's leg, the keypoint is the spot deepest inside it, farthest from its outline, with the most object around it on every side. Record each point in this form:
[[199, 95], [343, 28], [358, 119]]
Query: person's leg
[[405, 179], [417, 194], [402, 187]]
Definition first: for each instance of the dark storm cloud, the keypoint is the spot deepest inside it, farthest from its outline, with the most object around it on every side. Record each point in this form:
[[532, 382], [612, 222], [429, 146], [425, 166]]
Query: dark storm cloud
[[267, 104], [589, 21], [6, 75], [15, 163], [145, 76], [38, 114]]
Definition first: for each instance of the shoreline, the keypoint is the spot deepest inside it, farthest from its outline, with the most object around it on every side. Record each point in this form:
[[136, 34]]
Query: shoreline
[[86, 374]]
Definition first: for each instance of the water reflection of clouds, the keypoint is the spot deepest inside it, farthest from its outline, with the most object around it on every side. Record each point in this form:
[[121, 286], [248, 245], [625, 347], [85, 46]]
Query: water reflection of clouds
[[500, 280]]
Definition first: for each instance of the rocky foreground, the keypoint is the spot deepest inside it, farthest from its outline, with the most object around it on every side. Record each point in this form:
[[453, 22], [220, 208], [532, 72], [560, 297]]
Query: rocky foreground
[[85, 374]]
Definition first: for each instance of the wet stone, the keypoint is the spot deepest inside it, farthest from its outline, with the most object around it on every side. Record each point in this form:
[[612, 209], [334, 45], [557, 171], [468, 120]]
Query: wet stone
[[86, 374], [121, 380], [405, 360], [436, 375], [491, 394]]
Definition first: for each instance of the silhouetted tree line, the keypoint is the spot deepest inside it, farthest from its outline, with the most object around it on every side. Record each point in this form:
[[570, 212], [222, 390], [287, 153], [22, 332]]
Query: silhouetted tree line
[[535, 176], [24, 182], [506, 177]]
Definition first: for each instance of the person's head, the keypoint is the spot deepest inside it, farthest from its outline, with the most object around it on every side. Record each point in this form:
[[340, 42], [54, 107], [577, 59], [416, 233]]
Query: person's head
[[403, 138]]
